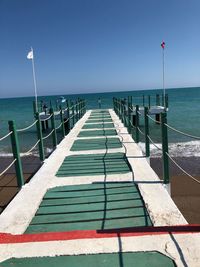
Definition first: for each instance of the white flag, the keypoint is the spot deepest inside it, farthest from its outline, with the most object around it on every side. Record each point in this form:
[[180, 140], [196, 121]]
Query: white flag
[[30, 55]]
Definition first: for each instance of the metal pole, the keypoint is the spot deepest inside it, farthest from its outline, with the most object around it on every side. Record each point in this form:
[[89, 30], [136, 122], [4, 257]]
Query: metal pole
[[62, 121], [165, 148], [53, 127], [39, 136], [146, 121], [16, 154], [137, 124]]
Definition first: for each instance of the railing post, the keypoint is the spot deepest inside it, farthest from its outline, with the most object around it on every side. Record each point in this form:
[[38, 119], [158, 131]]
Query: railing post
[[62, 121], [129, 114], [165, 148], [149, 100], [137, 124], [39, 136], [73, 118], [16, 154], [53, 127], [146, 121], [157, 100], [76, 110]]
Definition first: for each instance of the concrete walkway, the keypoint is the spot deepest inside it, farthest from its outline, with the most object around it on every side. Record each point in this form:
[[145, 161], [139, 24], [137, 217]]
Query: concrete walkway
[[96, 194]]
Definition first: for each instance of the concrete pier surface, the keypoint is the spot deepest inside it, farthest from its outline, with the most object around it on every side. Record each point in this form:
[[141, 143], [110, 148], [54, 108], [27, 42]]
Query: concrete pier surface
[[96, 193]]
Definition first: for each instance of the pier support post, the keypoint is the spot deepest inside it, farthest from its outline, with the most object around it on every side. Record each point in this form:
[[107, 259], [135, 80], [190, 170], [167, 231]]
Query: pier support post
[[73, 118], [62, 121], [39, 136], [146, 121], [165, 148], [129, 113], [149, 101], [137, 124], [53, 127], [16, 154], [157, 118]]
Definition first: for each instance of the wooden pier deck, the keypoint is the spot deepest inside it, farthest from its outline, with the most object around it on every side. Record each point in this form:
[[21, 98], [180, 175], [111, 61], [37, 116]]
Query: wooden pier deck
[[97, 201]]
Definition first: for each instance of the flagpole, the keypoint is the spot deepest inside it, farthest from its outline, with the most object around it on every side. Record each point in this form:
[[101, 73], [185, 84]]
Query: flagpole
[[34, 81], [163, 61]]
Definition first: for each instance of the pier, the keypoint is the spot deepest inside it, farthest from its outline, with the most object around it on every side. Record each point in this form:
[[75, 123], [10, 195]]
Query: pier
[[95, 199]]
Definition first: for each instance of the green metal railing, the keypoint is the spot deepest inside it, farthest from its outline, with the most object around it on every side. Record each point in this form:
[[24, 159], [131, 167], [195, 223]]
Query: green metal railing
[[68, 118], [130, 115]]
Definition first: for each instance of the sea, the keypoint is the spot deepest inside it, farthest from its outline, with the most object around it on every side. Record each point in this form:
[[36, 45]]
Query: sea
[[183, 115]]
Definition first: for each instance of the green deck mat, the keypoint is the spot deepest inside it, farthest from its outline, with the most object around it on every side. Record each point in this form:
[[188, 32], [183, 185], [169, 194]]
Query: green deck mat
[[97, 206], [121, 259], [99, 116], [97, 143], [99, 120], [98, 126], [94, 164], [94, 133]]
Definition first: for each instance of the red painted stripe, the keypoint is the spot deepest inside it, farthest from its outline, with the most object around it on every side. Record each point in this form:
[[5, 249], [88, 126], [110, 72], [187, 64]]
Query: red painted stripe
[[73, 235]]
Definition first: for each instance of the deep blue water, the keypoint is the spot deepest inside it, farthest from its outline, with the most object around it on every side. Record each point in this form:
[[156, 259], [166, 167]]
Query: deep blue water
[[183, 114]]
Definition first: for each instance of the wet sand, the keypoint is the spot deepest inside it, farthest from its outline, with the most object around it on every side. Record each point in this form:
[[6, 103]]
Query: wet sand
[[185, 192], [8, 181]]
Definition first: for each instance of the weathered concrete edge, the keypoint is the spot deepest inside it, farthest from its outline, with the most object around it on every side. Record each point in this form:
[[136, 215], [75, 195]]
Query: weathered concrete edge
[[159, 204]]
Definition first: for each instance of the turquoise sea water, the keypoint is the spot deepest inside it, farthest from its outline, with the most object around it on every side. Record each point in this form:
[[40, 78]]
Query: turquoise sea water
[[183, 114]]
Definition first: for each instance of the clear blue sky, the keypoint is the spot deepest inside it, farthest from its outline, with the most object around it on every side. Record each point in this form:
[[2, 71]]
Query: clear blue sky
[[97, 45]]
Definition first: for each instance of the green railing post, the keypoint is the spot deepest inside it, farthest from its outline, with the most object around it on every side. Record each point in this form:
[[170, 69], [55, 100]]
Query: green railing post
[[53, 127], [166, 102], [157, 100], [39, 136], [146, 121], [129, 114], [143, 100], [165, 148], [16, 154], [73, 118], [77, 110], [137, 124], [149, 100], [62, 121], [34, 107]]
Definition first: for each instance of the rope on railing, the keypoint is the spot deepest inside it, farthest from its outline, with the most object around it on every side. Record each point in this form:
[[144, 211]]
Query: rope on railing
[[132, 125], [158, 122], [182, 169], [59, 126], [47, 118], [5, 136], [28, 127], [140, 131], [45, 137], [8, 167], [153, 143], [180, 132], [29, 151]]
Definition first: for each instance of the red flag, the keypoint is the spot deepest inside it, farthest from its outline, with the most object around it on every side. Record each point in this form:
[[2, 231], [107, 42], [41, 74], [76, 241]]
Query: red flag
[[163, 44]]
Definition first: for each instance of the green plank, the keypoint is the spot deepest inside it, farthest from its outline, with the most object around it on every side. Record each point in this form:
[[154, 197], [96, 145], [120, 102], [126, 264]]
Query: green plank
[[97, 133], [121, 259], [100, 143], [94, 164], [98, 125], [102, 120], [102, 206]]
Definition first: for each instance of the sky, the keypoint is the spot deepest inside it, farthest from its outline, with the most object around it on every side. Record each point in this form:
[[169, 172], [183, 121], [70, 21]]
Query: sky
[[89, 46]]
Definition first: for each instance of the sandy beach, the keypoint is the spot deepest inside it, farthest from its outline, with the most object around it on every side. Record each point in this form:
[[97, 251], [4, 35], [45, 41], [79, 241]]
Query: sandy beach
[[185, 192]]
